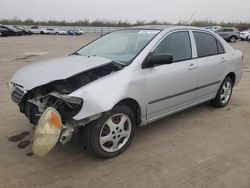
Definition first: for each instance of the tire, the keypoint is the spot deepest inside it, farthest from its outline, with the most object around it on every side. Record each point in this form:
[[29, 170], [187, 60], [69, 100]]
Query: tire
[[233, 39], [57, 33], [42, 33], [108, 136], [224, 93]]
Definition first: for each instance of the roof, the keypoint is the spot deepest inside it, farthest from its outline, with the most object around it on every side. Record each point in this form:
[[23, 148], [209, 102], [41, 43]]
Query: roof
[[163, 27]]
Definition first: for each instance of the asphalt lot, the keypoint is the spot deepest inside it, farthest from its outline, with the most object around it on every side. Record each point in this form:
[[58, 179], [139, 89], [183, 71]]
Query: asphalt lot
[[200, 147]]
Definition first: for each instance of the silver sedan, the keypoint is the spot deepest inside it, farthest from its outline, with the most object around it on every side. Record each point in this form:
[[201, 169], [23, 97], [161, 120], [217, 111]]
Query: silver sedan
[[125, 79]]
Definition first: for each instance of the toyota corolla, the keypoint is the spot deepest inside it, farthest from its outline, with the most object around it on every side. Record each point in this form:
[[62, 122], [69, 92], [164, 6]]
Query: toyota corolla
[[123, 80]]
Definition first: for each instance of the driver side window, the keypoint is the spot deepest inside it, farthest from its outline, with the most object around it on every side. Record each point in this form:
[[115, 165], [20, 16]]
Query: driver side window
[[176, 44]]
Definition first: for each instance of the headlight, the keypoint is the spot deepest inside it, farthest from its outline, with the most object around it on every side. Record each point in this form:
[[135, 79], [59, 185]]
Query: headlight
[[47, 132]]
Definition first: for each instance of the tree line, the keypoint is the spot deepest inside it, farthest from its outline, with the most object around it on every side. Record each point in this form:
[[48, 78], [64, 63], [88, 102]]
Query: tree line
[[108, 23]]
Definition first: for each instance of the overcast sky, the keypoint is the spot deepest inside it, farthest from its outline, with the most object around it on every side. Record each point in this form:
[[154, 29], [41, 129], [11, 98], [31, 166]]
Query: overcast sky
[[130, 10]]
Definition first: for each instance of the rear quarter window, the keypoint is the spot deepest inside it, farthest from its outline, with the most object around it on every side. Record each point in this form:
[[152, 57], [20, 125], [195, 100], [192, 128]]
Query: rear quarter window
[[220, 48]]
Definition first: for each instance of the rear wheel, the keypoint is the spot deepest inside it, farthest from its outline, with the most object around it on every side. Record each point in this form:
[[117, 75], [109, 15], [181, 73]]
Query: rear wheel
[[233, 39], [224, 93], [112, 133]]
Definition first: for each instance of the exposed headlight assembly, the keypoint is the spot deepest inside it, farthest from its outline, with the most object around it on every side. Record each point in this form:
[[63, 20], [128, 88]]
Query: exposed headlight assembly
[[67, 106]]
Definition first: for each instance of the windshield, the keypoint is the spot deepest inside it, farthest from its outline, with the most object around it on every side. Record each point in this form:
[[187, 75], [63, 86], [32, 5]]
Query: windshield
[[122, 46]]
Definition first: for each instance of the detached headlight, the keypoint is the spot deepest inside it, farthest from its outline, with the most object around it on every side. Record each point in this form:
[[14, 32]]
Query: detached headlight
[[47, 132]]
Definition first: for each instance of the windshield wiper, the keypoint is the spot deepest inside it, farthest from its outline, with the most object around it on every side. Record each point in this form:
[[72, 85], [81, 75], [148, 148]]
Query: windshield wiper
[[76, 53]]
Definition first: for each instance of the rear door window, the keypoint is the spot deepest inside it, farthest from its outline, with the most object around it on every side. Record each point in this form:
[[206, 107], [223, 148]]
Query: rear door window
[[207, 45]]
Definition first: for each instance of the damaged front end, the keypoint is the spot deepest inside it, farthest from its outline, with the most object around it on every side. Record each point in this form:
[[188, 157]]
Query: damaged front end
[[55, 96], [34, 105], [51, 113]]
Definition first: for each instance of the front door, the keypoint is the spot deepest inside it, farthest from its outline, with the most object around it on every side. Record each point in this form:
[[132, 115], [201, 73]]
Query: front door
[[171, 86]]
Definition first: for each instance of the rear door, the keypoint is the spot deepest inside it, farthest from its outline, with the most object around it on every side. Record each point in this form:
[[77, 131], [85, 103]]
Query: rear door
[[211, 61]]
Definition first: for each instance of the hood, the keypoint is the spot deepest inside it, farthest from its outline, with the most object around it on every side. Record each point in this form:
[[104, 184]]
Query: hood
[[42, 73]]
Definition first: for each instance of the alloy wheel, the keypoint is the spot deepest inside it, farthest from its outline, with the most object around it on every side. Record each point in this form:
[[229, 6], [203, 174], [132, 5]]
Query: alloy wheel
[[226, 92], [115, 132]]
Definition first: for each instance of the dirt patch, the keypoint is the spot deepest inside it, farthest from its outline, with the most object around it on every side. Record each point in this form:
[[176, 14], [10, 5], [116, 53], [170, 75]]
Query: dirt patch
[[26, 58]]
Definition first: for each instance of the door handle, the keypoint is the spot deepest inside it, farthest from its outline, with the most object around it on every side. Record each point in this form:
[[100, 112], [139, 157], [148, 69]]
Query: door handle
[[192, 67]]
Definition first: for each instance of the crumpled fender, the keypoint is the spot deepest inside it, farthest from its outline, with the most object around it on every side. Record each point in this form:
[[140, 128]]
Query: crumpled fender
[[103, 94]]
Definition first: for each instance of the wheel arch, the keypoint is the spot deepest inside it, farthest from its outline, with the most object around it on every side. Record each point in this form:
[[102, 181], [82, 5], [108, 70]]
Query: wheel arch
[[232, 75], [135, 107]]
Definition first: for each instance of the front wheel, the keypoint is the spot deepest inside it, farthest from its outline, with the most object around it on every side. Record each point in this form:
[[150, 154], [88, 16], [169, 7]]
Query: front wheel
[[224, 93], [112, 133]]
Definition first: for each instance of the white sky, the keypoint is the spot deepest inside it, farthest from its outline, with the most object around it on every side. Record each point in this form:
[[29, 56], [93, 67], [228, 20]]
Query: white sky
[[130, 10]]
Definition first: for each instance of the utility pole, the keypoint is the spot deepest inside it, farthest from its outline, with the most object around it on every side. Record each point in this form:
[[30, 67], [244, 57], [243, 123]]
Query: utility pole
[[190, 19]]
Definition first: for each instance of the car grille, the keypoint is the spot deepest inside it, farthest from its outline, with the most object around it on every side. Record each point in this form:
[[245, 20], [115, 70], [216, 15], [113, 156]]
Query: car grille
[[17, 94]]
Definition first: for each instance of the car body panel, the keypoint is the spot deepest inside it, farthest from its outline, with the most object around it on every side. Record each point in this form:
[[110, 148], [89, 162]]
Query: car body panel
[[57, 69], [168, 86], [162, 95], [99, 98]]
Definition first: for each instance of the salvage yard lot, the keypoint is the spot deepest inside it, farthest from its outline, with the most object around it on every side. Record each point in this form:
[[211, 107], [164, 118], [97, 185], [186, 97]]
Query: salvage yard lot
[[199, 147]]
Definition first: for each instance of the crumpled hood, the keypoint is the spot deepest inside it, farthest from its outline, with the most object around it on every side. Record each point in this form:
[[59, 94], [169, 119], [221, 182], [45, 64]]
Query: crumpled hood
[[42, 73]]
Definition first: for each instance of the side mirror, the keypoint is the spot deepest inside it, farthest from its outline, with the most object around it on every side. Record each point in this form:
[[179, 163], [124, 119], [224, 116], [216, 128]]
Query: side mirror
[[156, 60]]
